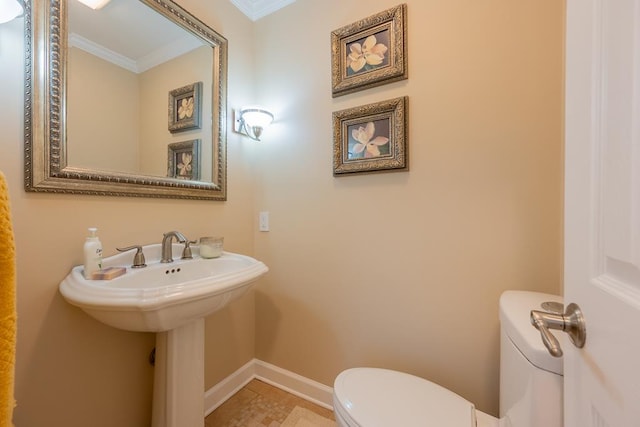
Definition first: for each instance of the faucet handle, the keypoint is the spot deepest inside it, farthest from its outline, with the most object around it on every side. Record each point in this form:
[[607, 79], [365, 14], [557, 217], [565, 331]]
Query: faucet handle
[[186, 252], [138, 258]]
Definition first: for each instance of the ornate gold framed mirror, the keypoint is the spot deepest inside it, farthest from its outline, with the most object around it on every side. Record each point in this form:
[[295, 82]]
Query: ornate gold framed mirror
[[108, 92]]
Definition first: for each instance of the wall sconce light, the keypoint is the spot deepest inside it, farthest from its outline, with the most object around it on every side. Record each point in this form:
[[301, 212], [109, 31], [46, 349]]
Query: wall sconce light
[[94, 4], [10, 9], [251, 121]]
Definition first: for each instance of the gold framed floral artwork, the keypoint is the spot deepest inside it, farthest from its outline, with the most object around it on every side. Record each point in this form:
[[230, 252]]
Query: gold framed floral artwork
[[371, 138], [184, 108], [370, 52], [184, 160]]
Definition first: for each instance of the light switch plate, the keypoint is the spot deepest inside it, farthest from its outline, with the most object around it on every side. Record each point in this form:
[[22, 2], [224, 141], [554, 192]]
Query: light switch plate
[[264, 221]]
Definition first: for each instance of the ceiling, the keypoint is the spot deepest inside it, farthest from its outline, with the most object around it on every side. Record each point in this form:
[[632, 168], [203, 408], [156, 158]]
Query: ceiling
[[128, 34], [256, 9], [135, 37]]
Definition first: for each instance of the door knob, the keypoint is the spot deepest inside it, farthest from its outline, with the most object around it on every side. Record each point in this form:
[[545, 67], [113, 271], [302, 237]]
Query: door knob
[[571, 322]]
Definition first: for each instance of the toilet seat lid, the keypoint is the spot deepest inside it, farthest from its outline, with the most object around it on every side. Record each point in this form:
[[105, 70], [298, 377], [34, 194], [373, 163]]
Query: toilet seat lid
[[370, 397]]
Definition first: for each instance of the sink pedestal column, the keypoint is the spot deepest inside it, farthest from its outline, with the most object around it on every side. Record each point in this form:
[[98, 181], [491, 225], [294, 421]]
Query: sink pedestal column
[[178, 388]]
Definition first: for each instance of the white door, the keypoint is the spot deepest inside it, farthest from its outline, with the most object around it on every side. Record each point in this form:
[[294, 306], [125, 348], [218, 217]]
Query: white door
[[602, 211]]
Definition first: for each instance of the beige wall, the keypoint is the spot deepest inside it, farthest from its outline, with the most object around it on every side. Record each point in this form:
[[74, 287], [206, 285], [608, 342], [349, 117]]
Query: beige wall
[[401, 270], [103, 112], [71, 370], [404, 270], [155, 84]]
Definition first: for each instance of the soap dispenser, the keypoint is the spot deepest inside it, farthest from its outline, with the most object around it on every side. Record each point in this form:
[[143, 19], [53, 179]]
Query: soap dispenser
[[92, 253]]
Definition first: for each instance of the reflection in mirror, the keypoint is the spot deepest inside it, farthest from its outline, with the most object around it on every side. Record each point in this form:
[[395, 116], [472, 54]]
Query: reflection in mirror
[[118, 81], [128, 66]]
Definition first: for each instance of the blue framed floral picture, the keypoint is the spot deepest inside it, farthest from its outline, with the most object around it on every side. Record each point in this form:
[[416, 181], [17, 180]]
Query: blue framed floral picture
[[184, 108], [371, 138], [370, 52]]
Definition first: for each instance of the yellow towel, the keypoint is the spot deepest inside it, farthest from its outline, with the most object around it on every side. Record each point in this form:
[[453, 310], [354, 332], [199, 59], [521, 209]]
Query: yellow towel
[[7, 308]]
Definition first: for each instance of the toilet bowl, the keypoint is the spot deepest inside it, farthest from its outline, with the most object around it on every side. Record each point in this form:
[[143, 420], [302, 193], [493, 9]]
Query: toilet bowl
[[530, 384], [371, 397]]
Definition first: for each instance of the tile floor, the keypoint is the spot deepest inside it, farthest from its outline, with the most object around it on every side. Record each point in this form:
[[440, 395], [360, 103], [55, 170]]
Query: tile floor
[[259, 404]]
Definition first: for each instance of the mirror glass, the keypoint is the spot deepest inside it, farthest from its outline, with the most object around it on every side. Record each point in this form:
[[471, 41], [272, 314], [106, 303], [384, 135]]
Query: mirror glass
[[141, 105]]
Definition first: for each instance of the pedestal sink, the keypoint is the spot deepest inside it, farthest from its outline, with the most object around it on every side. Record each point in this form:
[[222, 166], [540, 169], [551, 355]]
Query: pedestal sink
[[172, 300]]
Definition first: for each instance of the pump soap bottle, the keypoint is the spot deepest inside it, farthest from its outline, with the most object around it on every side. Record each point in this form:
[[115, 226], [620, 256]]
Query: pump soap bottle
[[92, 253]]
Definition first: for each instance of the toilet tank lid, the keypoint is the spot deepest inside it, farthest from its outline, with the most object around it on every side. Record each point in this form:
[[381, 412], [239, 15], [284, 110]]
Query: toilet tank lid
[[381, 397], [515, 309]]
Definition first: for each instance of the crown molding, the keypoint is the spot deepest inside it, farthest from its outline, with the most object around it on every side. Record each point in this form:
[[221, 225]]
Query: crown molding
[[76, 40], [157, 57], [256, 9]]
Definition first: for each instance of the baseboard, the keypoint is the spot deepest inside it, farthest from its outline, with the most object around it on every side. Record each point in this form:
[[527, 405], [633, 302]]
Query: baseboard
[[221, 392], [291, 382], [303, 387]]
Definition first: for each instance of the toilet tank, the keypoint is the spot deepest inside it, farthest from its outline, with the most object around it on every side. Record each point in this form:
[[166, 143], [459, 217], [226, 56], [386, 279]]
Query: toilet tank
[[530, 378]]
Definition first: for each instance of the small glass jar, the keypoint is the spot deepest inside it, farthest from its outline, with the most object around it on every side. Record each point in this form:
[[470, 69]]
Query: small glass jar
[[211, 247]]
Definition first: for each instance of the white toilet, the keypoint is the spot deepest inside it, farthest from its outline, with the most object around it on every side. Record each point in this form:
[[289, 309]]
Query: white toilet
[[530, 384]]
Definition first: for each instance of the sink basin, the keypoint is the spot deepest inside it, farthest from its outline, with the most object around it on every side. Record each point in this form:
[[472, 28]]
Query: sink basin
[[172, 300], [162, 297]]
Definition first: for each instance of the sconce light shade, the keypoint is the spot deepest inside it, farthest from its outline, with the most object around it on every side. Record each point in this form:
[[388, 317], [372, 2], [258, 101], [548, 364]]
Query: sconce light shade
[[9, 9], [94, 4], [251, 121]]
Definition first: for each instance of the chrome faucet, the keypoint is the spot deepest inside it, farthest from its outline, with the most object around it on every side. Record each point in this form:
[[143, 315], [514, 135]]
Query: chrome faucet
[[167, 240]]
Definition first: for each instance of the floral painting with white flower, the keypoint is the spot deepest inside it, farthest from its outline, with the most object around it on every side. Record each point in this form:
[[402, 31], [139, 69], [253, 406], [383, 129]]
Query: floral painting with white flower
[[368, 140], [184, 160], [368, 54], [185, 108], [184, 165]]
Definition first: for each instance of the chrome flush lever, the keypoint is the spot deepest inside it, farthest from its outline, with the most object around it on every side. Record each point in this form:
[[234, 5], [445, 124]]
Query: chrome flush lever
[[571, 322]]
